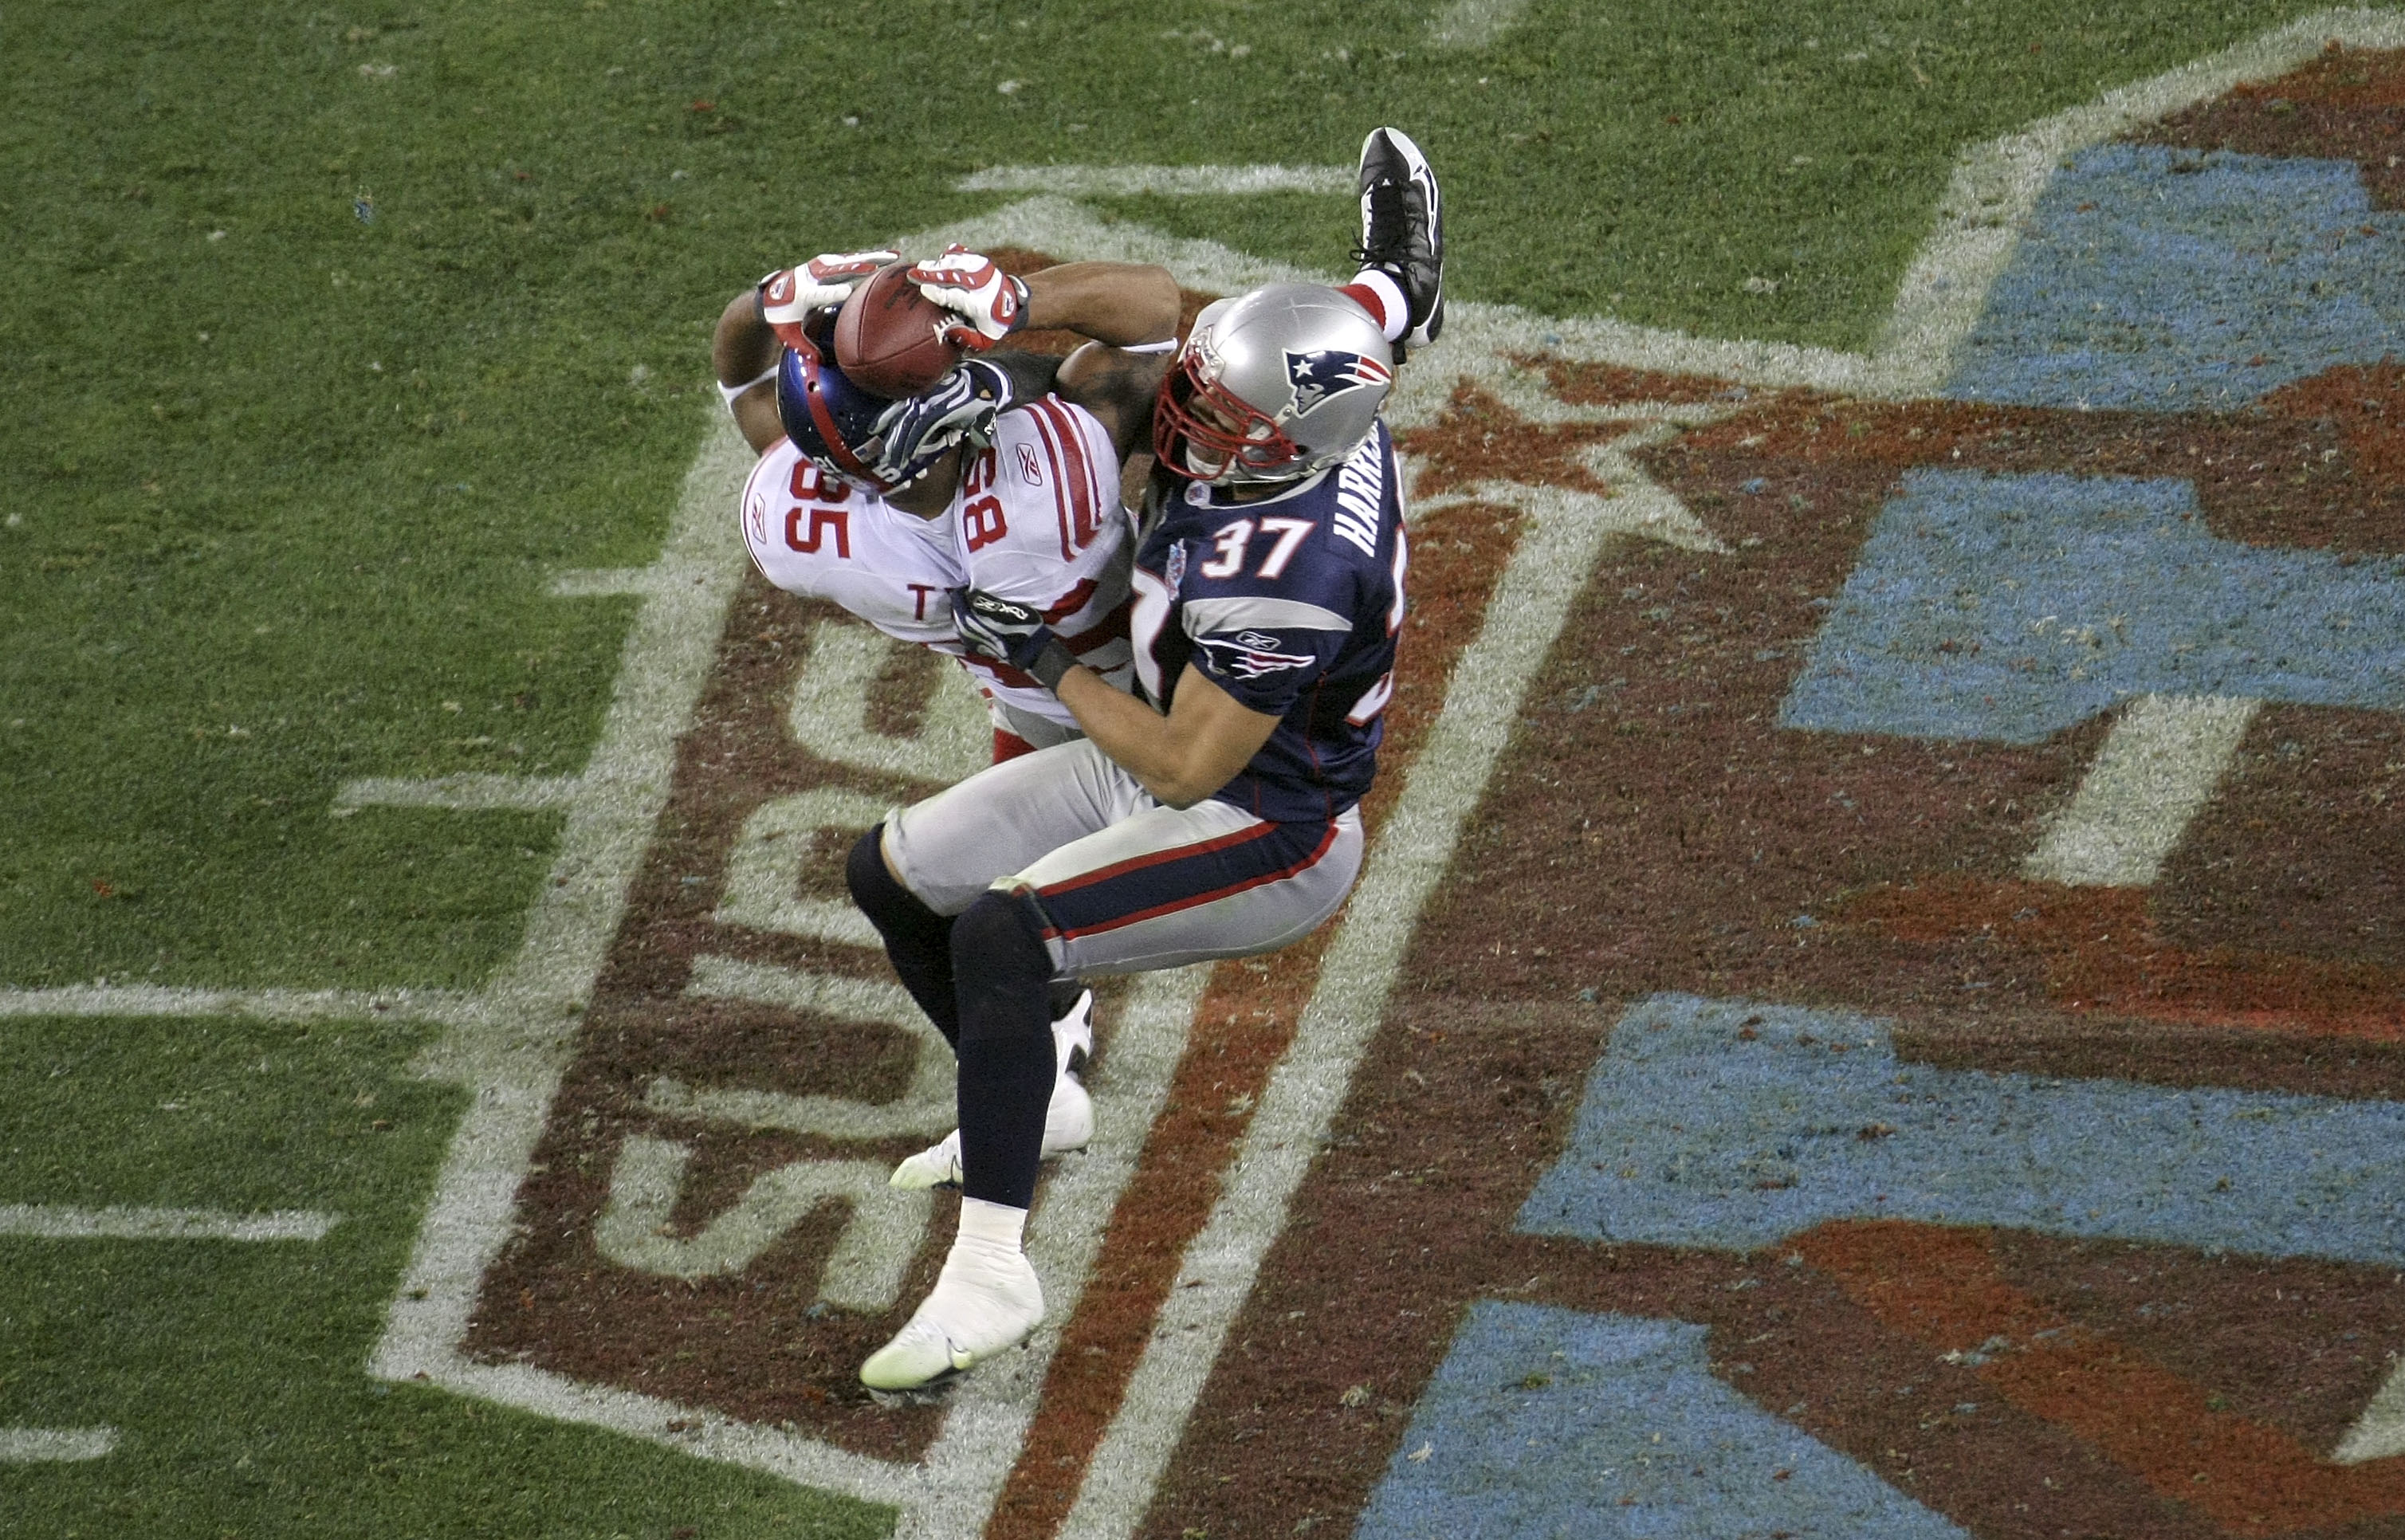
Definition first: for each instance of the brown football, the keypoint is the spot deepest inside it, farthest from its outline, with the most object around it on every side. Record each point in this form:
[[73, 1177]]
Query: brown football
[[889, 337]]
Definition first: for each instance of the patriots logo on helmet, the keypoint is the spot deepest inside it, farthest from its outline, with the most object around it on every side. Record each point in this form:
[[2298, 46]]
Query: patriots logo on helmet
[[1317, 376]]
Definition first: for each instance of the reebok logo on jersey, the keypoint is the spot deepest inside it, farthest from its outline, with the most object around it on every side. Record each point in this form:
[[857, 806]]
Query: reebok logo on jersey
[[1031, 465], [1250, 655], [1329, 372]]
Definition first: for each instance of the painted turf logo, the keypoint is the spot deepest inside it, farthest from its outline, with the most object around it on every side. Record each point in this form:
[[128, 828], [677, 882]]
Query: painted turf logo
[[1329, 372], [804, 1210]]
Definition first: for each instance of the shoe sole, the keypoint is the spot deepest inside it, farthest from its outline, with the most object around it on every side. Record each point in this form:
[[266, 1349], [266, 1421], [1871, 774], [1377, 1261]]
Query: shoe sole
[[935, 1392]]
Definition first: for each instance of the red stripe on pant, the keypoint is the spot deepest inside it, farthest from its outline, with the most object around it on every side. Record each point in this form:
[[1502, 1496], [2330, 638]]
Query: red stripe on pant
[[1186, 901], [1163, 858]]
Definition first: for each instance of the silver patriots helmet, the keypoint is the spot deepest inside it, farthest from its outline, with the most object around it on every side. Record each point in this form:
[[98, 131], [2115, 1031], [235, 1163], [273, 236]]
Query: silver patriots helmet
[[1273, 386]]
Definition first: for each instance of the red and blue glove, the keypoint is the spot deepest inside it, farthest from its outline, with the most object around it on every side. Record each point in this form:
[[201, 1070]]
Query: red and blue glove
[[991, 304], [790, 294]]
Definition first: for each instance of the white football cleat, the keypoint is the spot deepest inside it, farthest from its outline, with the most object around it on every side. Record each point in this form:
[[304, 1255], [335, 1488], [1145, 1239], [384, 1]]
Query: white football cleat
[[986, 1300], [1068, 1118]]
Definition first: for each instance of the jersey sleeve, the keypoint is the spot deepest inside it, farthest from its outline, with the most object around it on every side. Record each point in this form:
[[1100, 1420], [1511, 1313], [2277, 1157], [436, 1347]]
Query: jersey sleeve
[[1264, 649]]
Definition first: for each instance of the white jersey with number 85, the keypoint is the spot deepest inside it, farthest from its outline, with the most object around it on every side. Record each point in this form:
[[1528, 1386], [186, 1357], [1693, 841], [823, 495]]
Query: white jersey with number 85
[[1036, 520]]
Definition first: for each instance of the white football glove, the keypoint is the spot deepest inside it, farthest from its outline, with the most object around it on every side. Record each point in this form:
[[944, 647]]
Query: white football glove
[[991, 304], [792, 293]]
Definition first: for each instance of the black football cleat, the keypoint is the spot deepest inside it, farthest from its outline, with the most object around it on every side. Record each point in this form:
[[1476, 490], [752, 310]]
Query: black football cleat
[[1402, 228]]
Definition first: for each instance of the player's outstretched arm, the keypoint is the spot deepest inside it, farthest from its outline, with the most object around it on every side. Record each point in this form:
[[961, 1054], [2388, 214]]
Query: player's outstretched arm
[[1124, 304], [1181, 758], [743, 351], [1120, 305]]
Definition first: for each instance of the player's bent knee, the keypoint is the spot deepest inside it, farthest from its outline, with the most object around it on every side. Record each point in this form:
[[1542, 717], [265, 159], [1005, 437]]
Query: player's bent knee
[[998, 948], [1003, 929], [889, 906]]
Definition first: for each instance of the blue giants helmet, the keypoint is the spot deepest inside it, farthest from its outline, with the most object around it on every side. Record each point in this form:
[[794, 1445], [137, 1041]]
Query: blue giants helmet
[[831, 420], [841, 427]]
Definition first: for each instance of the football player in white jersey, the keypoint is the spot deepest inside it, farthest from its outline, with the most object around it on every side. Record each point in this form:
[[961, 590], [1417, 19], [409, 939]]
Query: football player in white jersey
[[885, 507]]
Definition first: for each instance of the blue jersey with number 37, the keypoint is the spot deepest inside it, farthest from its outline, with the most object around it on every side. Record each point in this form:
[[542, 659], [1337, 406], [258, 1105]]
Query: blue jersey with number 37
[[1291, 604]]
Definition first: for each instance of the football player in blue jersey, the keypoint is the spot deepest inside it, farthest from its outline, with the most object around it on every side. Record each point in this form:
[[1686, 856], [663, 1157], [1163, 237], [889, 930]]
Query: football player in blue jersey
[[1215, 814]]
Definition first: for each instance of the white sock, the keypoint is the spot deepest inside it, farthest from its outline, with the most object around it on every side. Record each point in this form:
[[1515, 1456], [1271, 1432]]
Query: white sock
[[996, 1224], [1394, 310]]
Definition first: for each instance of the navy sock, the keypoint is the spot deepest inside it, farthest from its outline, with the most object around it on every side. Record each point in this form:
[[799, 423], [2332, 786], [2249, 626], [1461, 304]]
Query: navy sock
[[1006, 1046], [918, 940]]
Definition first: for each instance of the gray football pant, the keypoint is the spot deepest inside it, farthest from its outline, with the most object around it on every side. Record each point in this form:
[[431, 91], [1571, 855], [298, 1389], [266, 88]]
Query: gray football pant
[[1125, 883]]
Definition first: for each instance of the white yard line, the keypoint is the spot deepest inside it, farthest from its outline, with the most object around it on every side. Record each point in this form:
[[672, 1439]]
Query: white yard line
[[511, 1052], [1166, 181], [466, 792], [708, 1435], [62, 1222], [157, 999], [52, 1446]]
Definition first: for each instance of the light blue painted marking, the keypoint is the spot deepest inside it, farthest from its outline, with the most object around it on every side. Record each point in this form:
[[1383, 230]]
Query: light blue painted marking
[[2162, 296], [1691, 1135], [2009, 608], [1511, 1458]]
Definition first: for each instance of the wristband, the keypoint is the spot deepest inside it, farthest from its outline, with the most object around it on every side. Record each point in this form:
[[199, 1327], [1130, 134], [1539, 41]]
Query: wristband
[[1053, 665], [730, 394]]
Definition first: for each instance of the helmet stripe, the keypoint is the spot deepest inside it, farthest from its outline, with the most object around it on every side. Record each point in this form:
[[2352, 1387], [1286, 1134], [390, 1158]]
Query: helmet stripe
[[814, 398]]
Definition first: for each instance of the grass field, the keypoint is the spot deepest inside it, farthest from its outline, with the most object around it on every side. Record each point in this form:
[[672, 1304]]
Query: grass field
[[331, 336]]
